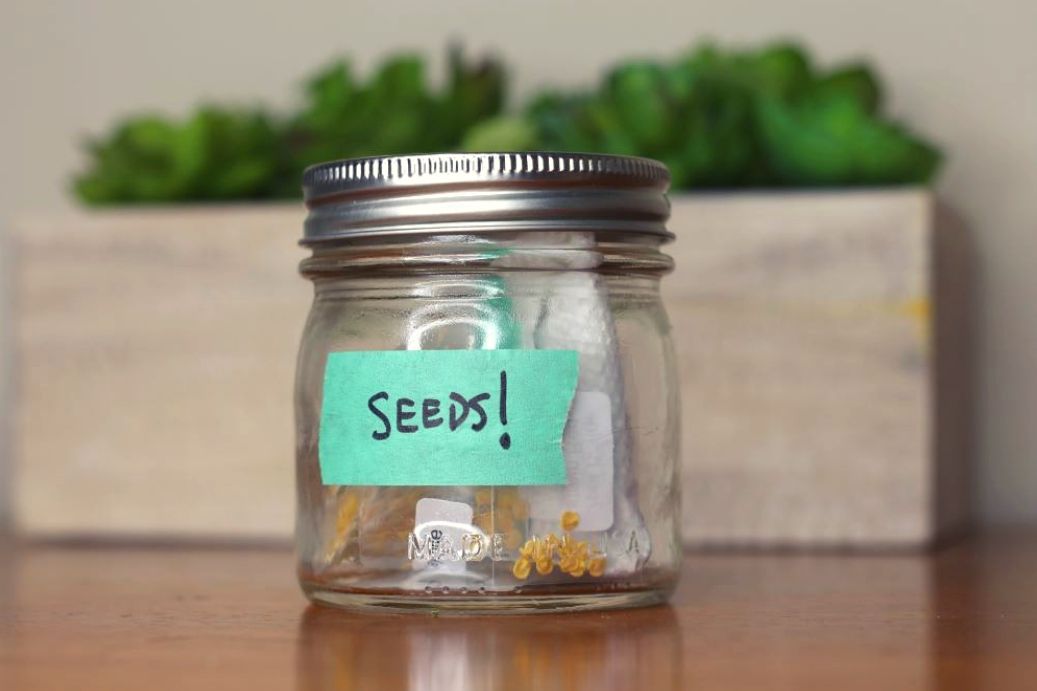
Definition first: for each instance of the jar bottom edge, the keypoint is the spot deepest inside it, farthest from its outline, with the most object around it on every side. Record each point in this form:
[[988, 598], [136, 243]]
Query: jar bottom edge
[[485, 604]]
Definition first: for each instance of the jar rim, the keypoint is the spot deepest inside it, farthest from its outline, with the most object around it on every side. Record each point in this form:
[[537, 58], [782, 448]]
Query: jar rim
[[391, 195]]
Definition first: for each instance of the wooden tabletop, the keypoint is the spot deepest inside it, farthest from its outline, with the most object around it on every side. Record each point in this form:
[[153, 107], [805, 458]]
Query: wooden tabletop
[[116, 618]]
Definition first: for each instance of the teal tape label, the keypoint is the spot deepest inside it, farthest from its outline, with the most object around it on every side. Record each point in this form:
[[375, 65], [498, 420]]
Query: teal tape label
[[446, 417]]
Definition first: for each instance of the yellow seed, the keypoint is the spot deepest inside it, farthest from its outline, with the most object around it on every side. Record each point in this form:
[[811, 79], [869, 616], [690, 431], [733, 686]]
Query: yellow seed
[[567, 564], [570, 520], [521, 569], [596, 567], [347, 512], [580, 569], [528, 550], [545, 566]]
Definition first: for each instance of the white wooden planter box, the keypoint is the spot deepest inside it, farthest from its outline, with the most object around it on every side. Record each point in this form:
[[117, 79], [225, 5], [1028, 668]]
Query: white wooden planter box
[[823, 404], [825, 368]]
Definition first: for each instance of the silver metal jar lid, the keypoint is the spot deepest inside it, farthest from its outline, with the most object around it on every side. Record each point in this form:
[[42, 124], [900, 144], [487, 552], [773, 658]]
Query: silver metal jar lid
[[485, 192]]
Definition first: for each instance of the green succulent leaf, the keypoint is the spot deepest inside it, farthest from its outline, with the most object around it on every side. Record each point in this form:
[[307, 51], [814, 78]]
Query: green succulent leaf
[[834, 141], [853, 81], [514, 133], [781, 70], [640, 105]]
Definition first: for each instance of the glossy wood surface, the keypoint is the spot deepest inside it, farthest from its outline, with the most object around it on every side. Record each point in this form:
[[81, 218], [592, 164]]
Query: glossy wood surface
[[116, 618]]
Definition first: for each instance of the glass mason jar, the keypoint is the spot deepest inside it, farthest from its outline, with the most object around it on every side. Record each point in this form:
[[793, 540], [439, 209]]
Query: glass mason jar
[[486, 398]]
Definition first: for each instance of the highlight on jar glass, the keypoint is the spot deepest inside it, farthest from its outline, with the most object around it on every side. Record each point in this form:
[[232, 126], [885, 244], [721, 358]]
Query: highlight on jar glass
[[486, 396]]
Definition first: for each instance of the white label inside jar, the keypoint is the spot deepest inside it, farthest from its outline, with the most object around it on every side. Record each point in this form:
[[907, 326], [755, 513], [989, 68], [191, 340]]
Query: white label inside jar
[[588, 450], [441, 528]]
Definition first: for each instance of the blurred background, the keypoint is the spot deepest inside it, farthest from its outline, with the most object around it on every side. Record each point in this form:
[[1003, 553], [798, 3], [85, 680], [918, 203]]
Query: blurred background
[[959, 73]]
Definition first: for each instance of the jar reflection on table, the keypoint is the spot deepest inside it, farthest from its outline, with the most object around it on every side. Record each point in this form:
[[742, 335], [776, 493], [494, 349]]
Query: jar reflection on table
[[630, 650]]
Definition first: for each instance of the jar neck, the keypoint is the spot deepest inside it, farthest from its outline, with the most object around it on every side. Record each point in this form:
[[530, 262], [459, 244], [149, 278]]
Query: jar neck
[[625, 253]]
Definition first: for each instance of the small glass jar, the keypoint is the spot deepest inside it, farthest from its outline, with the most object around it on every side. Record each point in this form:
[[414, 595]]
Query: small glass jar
[[486, 397]]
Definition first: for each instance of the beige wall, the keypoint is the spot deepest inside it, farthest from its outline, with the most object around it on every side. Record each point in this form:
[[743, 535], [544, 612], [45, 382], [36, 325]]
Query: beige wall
[[964, 72]]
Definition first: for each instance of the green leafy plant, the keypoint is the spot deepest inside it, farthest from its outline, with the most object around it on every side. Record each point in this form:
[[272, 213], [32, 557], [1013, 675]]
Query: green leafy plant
[[216, 154], [237, 153], [717, 118], [763, 118]]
